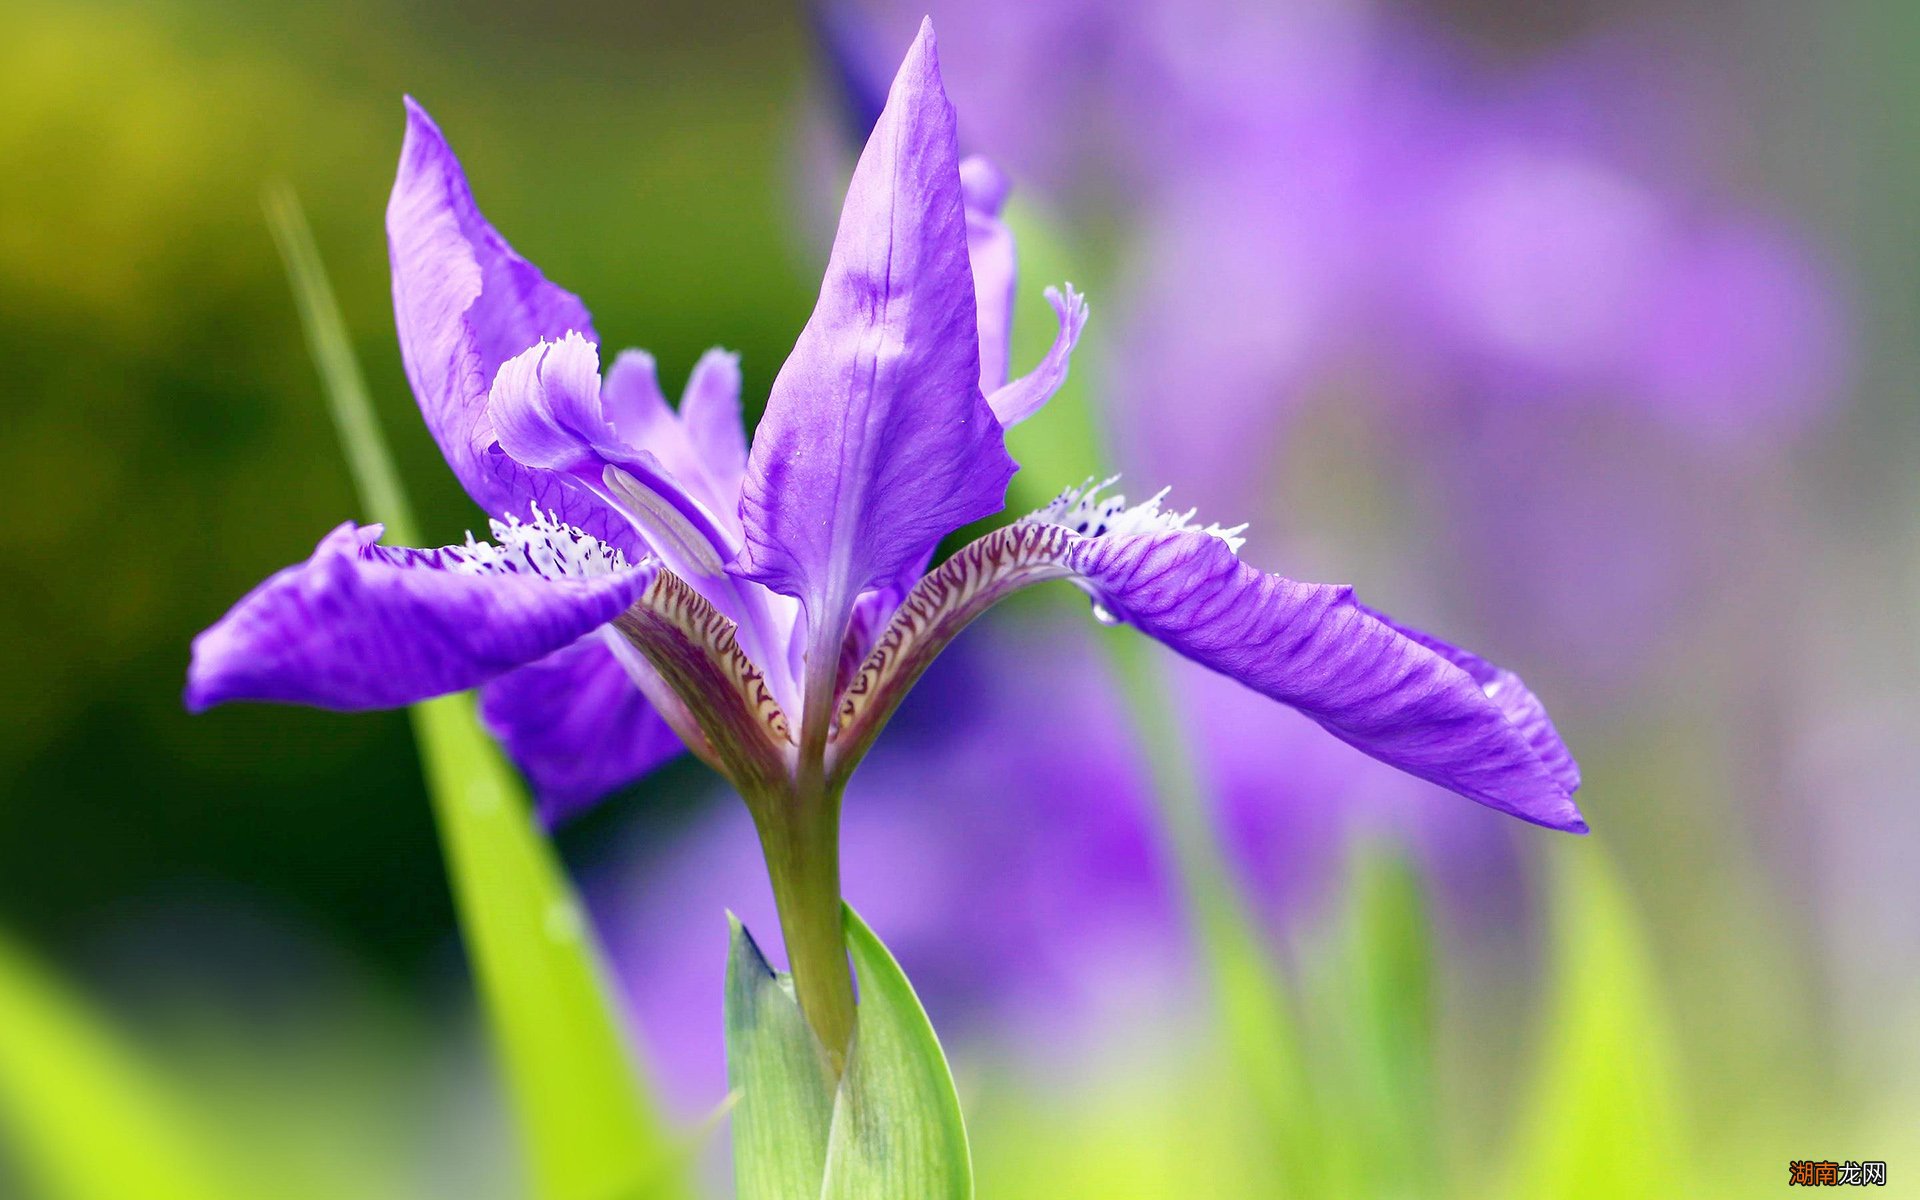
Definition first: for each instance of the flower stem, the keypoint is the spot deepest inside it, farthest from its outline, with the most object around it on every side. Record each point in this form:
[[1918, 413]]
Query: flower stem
[[800, 836]]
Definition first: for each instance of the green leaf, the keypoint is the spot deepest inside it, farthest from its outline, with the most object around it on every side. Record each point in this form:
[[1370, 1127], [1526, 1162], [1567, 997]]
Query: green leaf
[[897, 1130], [780, 1072], [375, 478], [1256, 1012], [1603, 1116], [1379, 1016], [890, 1130], [85, 1117], [589, 1130]]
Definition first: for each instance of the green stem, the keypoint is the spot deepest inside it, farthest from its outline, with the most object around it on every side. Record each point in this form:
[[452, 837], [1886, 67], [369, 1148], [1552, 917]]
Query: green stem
[[800, 836]]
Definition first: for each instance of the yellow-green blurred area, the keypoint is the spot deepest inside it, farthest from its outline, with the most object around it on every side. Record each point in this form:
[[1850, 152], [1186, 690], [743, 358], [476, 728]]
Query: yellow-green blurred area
[[168, 445], [238, 928]]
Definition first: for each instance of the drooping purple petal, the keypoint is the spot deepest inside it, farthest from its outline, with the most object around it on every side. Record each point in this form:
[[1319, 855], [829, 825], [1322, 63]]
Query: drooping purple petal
[[877, 440], [577, 726], [360, 626], [996, 272], [464, 304], [1407, 699]]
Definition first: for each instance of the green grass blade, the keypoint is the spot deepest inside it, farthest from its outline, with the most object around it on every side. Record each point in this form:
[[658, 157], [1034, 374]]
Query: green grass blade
[[1381, 1017], [776, 1066], [375, 480], [897, 1130], [1255, 1011], [588, 1129], [86, 1119], [1603, 1117], [1064, 446]]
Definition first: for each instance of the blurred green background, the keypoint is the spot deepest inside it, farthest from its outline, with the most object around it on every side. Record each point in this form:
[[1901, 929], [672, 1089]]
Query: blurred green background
[[258, 891], [170, 431]]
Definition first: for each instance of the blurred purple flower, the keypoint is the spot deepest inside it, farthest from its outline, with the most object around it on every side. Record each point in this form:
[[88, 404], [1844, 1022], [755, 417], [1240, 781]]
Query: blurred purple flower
[[1332, 200]]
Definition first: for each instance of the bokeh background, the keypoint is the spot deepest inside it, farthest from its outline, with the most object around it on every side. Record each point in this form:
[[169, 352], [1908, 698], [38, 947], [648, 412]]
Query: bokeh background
[[1583, 335]]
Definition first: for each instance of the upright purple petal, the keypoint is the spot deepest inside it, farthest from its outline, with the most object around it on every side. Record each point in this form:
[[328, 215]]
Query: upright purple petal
[[635, 405], [704, 444], [361, 626], [710, 414], [1405, 698], [877, 440], [577, 726], [464, 304], [549, 412], [996, 271]]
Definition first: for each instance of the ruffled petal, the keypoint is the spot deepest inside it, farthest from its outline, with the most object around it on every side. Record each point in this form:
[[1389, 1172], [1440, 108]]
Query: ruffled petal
[[547, 411], [360, 626], [1026, 395], [464, 304], [577, 726], [704, 444], [877, 440], [1403, 697]]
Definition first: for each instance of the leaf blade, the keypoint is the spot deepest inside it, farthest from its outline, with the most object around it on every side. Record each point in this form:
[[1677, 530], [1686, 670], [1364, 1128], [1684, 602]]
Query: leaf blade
[[1604, 1110], [897, 1128], [778, 1069], [86, 1116], [589, 1129]]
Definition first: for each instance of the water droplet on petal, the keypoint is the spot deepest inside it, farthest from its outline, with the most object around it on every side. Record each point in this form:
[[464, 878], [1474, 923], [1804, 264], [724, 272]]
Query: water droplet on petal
[[1105, 615]]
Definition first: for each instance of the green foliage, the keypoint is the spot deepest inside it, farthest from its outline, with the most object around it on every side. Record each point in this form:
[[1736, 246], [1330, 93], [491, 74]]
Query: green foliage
[[890, 1129], [1373, 1034], [589, 1131], [1257, 1018], [85, 1117], [1603, 1116], [780, 1073]]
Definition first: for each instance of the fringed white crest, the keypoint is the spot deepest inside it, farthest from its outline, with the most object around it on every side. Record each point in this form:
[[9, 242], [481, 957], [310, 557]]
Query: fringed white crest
[[1086, 512], [545, 546]]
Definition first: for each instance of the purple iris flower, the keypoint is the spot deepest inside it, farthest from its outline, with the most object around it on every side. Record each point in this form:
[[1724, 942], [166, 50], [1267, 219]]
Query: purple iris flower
[[652, 580], [1082, 927]]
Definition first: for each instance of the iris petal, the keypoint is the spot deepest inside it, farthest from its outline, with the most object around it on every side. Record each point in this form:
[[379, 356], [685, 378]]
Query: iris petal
[[1026, 395], [362, 626], [877, 440], [1403, 697], [577, 726], [704, 444], [547, 411], [464, 304], [991, 251]]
